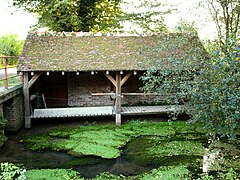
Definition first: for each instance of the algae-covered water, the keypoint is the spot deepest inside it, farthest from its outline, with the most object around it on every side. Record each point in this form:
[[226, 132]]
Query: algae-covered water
[[132, 149]]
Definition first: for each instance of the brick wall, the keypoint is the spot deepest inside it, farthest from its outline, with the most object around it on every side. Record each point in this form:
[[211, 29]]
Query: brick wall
[[80, 89]]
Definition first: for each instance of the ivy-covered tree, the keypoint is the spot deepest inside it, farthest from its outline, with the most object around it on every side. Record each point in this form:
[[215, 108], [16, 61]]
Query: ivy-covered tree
[[74, 15], [208, 89], [209, 92]]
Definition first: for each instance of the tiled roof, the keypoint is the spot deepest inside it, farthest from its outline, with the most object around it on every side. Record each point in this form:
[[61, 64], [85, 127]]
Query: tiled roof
[[93, 53]]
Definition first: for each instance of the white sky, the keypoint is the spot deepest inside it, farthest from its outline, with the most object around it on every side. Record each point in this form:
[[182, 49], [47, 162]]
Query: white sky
[[18, 22], [14, 21]]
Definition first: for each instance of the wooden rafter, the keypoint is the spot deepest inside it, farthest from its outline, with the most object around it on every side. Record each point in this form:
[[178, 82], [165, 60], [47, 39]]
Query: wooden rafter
[[124, 80], [111, 79], [34, 79]]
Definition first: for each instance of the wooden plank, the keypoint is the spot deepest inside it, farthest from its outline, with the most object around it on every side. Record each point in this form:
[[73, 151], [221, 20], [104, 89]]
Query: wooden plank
[[102, 94], [140, 94], [44, 101], [111, 79], [124, 80], [118, 99], [34, 79], [26, 101], [125, 94]]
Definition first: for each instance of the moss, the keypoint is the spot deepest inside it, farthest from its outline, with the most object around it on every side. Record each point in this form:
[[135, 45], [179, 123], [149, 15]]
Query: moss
[[37, 142], [104, 141], [153, 150], [106, 53], [53, 174]]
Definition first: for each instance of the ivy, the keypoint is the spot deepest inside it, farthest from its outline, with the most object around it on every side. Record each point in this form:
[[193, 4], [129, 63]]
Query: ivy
[[209, 91]]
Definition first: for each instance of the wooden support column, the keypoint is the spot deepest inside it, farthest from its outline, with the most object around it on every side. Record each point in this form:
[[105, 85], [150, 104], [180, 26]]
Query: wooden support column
[[26, 101], [118, 99], [118, 83]]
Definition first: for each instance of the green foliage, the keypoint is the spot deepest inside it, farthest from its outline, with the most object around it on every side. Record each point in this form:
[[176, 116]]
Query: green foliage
[[210, 90], [229, 155], [53, 174], [230, 175], [3, 122], [3, 138], [170, 173], [148, 16], [9, 171], [106, 175], [74, 15], [10, 45], [226, 14], [185, 27]]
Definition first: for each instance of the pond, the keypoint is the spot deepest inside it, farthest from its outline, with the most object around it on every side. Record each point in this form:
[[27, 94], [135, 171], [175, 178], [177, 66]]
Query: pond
[[132, 149]]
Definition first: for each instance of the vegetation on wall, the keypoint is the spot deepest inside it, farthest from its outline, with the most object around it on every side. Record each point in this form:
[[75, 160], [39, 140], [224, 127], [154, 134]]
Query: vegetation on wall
[[3, 138]]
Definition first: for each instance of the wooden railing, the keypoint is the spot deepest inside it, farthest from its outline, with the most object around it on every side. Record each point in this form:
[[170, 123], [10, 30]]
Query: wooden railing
[[4, 74]]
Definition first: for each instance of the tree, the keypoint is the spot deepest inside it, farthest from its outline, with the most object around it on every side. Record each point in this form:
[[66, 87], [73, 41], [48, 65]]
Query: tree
[[210, 94], [74, 15], [148, 15], [10, 45], [226, 15], [184, 26]]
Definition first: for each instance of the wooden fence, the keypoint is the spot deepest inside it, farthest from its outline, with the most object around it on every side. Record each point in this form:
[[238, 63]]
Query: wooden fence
[[4, 72]]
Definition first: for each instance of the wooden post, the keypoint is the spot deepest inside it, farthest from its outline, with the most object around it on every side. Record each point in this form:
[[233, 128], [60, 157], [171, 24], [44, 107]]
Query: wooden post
[[5, 70], [26, 101], [118, 99]]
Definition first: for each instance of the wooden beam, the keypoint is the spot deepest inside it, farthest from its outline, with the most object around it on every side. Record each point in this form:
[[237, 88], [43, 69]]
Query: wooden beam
[[26, 101], [140, 94], [124, 80], [34, 79], [118, 99], [125, 94], [102, 94], [111, 79]]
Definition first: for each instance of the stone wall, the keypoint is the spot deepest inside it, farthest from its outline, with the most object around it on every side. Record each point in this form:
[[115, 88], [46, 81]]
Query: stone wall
[[13, 112], [3, 138]]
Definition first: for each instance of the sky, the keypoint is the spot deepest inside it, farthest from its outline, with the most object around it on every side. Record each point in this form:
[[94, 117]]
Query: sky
[[18, 22], [13, 21]]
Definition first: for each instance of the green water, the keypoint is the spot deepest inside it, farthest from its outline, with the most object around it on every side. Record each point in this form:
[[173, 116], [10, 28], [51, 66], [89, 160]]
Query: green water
[[135, 149]]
